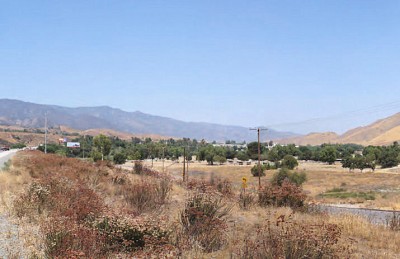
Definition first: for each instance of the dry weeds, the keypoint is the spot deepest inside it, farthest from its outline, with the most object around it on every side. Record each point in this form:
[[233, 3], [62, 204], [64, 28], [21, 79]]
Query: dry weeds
[[348, 236]]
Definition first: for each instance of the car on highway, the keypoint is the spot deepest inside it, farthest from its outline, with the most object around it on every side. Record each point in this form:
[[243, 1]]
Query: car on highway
[[5, 148]]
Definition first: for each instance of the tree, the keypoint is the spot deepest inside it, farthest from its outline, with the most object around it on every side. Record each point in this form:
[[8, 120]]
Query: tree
[[119, 158], [305, 153], [211, 153], [242, 156], [220, 159], [348, 162], [252, 150], [328, 155], [360, 162], [370, 160], [289, 162], [273, 155], [102, 144], [389, 157]]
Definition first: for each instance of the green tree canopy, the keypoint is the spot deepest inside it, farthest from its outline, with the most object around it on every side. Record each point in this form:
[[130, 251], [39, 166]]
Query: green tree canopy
[[103, 145], [289, 162], [328, 154]]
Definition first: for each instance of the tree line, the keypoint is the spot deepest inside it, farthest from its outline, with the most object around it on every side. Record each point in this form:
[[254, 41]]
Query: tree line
[[352, 156]]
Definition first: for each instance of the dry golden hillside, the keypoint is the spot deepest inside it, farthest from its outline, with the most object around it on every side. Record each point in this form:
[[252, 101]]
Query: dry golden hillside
[[364, 135], [381, 132], [387, 138], [35, 137], [312, 139]]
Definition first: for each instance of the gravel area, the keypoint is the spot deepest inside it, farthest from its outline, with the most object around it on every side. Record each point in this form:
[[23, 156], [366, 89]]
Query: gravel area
[[10, 246], [375, 216]]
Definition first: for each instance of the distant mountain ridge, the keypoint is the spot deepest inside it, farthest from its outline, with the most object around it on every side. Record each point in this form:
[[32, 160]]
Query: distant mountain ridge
[[31, 115], [381, 132]]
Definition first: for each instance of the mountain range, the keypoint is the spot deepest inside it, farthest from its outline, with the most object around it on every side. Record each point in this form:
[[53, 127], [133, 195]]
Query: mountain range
[[107, 119], [31, 115]]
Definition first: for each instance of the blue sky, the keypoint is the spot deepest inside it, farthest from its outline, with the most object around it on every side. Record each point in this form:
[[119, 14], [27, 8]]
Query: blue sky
[[293, 65]]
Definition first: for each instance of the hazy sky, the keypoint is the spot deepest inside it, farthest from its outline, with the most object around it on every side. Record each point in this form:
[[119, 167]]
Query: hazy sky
[[325, 65]]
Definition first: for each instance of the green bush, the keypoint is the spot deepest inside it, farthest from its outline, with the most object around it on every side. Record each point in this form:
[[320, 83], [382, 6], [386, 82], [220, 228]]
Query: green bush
[[289, 162], [254, 170], [18, 146], [293, 177], [119, 158]]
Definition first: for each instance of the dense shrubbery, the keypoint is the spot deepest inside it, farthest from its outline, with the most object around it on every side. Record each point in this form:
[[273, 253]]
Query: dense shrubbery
[[75, 222], [287, 239]]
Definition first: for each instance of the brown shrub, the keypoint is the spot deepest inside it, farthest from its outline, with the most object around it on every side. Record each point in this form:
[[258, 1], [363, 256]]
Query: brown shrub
[[288, 194], [203, 221], [223, 186], [146, 194], [247, 200], [393, 222], [59, 197], [64, 238], [286, 239]]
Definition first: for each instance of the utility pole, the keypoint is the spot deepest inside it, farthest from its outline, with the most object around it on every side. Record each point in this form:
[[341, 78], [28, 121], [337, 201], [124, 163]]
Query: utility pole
[[163, 158], [184, 166], [83, 146], [259, 155], [45, 133], [187, 167]]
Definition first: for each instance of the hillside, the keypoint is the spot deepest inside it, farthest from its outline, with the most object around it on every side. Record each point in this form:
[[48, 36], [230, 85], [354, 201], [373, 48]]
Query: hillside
[[34, 137], [312, 139], [30, 115], [381, 132]]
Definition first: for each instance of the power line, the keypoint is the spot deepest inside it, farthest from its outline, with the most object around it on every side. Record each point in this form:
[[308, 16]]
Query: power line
[[344, 115]]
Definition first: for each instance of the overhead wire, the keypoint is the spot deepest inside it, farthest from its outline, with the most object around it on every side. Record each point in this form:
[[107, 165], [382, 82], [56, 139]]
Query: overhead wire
[[343, 115]]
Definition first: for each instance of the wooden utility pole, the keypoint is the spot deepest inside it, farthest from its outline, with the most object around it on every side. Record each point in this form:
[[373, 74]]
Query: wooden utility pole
[[83, 146], [163, 159], [184, 166], [45, 133], [187, 168], [259, 155]]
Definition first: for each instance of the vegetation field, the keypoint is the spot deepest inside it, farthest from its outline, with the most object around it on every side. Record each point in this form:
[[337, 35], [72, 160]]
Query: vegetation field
[[66, 207], [379, 189]]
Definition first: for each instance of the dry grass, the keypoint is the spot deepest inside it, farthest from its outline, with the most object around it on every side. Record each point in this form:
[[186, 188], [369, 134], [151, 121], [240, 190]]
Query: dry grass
[[320, 178], [349, 236]]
